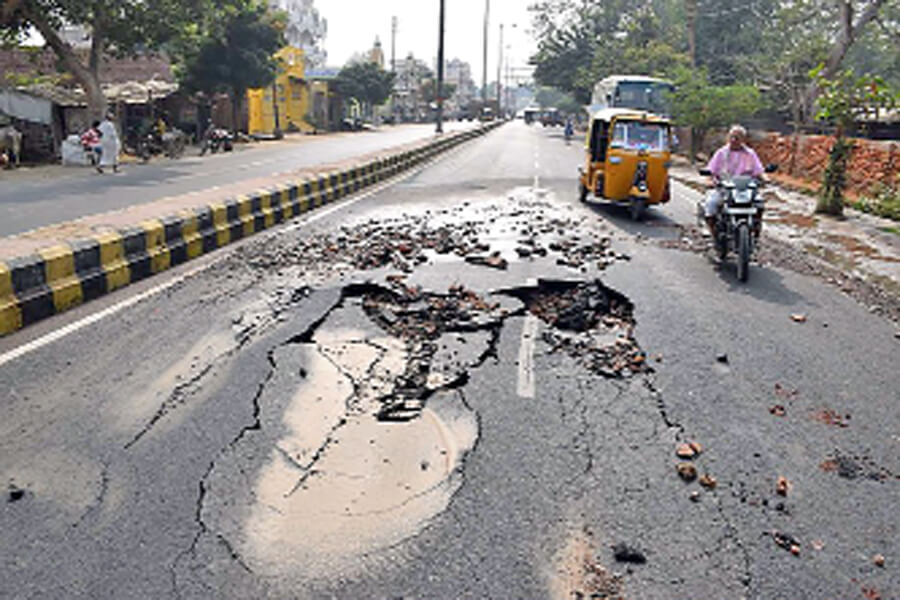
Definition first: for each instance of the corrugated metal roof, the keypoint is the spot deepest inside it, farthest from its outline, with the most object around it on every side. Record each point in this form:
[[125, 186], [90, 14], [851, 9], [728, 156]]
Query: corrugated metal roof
[[129, 92]]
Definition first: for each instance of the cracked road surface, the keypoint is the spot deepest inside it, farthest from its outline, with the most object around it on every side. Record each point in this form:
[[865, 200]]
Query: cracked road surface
[[464, 385]]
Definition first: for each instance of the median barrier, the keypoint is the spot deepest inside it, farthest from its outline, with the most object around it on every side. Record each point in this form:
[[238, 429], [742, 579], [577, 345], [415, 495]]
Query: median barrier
[[62, 276]]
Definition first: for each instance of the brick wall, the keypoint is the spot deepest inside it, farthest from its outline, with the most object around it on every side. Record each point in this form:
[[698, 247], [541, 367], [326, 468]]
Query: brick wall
[[807, 156]]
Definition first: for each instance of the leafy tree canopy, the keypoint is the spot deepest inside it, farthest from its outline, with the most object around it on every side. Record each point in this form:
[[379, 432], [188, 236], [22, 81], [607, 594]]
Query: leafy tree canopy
[[770, 44], [116, 27], [235, 53], [366, 82]]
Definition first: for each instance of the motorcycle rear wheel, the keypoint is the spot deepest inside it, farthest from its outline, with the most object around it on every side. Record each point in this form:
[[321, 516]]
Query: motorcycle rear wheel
[[743, 252]]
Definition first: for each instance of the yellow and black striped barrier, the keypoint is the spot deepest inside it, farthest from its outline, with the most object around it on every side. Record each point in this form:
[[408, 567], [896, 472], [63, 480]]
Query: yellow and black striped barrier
[[60, 277]]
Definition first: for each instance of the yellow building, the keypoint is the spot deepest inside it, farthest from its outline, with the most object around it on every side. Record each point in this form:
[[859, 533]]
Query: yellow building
[[292, 98]]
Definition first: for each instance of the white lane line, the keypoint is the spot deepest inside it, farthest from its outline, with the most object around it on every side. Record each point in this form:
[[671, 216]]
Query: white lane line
[[525, 385], [73, 327], [58, 334]]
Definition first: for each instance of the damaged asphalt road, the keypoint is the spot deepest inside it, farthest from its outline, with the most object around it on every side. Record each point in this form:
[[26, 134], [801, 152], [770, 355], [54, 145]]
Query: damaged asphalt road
[[465, 387]]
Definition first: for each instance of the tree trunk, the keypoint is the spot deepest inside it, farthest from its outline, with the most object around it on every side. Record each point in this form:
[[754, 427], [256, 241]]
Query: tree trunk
[[87, 76], [690, 9], [236, 105], [834, 180], [848, 32]]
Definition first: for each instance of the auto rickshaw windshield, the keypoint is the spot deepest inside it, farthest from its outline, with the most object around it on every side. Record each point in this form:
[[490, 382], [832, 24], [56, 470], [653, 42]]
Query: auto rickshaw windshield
[[640, 135]]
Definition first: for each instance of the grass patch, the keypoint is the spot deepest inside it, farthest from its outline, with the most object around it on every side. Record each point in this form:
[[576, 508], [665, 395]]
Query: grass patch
[[894, 230], [883, 200]]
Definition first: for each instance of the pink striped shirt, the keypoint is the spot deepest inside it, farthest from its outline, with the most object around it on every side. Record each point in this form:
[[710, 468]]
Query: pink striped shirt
[[735, 162]]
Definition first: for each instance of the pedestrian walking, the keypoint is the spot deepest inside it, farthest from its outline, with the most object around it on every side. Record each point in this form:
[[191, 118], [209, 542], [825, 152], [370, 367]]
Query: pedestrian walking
[[90, 141], [110, 145]]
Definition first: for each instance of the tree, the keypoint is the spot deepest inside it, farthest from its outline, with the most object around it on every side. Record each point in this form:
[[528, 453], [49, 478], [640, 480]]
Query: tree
[[236, 53], [548, 97], [771, 44], [702, 106], [844, 99], [366, 81], [429, 94], [117, 27]]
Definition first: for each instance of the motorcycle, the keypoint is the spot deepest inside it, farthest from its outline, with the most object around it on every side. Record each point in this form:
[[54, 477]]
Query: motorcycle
[[739, 220], [569, 132], [171, 143], [217, 139]]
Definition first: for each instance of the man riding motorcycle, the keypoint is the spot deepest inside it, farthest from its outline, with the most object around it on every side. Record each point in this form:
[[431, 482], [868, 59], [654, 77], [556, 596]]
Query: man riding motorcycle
[[735, 158]]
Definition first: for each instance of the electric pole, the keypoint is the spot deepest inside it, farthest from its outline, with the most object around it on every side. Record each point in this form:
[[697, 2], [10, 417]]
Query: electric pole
[[487, 13], [393, 44], [440, 73], [499, 64]]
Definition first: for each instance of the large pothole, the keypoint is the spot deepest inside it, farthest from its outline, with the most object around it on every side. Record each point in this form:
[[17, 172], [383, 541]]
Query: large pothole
[[589, 321], [364, 427]]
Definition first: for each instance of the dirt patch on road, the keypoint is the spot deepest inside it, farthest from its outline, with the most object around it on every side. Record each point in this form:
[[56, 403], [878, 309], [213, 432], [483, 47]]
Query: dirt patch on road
[[579, 575]]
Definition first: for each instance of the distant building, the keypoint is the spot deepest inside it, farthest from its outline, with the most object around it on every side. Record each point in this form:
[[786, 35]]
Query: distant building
[[459, 74], [409, 102], [289, 109], [306, 29], [376, 54]]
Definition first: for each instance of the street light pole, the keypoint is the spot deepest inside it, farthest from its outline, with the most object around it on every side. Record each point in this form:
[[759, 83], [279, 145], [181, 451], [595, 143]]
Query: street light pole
[[487, 12], [440, 70], [499, 63]]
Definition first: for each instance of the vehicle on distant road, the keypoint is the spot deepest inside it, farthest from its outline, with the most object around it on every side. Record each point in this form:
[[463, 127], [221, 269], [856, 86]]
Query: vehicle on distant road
[[647, 94]]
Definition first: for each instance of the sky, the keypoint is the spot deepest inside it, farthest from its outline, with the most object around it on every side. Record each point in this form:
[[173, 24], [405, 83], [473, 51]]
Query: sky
[[353, 25]]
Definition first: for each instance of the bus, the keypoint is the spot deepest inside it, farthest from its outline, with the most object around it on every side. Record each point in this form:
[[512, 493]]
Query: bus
[[632, 91]]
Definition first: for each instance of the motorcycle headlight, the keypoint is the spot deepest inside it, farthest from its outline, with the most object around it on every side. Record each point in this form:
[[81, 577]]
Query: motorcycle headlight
[[743, 196]]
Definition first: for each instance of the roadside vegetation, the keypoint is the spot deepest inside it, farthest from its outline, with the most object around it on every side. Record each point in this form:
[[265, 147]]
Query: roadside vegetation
[[883, 201], [216, 45], [808, 65]]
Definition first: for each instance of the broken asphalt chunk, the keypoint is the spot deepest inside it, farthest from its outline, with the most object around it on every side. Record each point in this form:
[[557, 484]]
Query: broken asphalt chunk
[[494, 261], [708, 481], [687, 471], [15, 494], [782, 485], [878, 560], [722, 358], [798, 318], [685, 451], [786, 541], [628, 554]]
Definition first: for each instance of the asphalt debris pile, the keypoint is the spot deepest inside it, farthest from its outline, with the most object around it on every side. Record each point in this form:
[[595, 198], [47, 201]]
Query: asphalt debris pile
[[485, 236], [424, 321], [589, 321]]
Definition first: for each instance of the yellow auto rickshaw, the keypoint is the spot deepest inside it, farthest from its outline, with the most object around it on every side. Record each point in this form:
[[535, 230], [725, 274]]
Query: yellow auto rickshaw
[[628, 158]]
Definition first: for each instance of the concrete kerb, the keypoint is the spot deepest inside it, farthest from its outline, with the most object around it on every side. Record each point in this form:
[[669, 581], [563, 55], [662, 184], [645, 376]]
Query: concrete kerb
[[54, 279]]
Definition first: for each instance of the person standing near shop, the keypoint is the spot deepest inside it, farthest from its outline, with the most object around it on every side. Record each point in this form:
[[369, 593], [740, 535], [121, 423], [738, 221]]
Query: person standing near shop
[[110, 145]]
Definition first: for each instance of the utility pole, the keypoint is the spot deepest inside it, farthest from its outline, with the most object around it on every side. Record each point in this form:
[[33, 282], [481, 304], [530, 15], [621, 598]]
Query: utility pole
[[394, 68], [499, 64], [440, 72], [487, 12]]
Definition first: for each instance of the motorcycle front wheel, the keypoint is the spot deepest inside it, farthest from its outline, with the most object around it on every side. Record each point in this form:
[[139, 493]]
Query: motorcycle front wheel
[[743, 252]]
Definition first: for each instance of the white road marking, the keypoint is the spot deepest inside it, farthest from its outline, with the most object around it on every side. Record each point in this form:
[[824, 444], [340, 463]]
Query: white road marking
[[73, 327], [525, 385], [58, 334]]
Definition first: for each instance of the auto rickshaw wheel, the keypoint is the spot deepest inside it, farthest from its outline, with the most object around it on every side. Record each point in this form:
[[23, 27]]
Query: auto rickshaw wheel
[[582, 191], [638, 207]]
